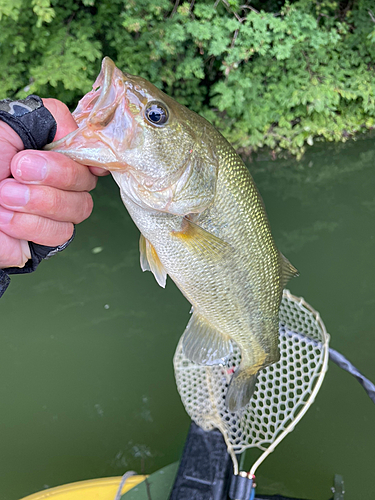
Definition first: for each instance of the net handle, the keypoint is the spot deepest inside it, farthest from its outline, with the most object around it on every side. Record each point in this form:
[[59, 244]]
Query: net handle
[[313, 394]]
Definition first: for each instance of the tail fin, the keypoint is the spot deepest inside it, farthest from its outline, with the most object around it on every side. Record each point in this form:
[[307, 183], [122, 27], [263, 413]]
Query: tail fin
[[240, 390]]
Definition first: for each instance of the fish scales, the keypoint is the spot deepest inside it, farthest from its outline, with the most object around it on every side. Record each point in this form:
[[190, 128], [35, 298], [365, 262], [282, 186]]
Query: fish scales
[[200, 215]]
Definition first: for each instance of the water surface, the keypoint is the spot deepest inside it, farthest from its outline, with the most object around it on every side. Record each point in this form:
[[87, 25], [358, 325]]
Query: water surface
[[86, 345]]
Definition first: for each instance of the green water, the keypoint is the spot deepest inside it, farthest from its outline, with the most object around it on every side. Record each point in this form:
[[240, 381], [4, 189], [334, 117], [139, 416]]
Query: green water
[[86, 345]]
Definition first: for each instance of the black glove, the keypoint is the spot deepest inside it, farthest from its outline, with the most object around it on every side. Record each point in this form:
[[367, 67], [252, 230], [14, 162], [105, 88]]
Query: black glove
[[36, 127], [30, 119]]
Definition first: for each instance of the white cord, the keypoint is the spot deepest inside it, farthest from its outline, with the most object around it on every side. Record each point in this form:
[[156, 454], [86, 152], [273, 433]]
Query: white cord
[[124, 478]]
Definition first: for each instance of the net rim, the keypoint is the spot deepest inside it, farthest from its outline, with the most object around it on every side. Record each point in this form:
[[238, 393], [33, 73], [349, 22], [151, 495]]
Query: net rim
[[316, 341], [325, 347]]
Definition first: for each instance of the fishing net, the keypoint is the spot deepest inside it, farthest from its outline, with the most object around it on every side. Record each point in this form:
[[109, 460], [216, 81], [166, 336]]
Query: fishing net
[[283, 393]]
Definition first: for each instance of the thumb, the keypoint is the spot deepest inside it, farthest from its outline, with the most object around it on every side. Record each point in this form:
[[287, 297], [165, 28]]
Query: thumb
[[64, 119], [65, 125]]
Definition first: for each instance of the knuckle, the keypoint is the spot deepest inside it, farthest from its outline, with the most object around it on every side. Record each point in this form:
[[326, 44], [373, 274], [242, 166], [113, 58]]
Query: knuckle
[[64, 232], [51, 233], [89, 205], [56, 107], [86, 206], [41, 227], [77, 177], [93, 182], [52, 201], [72, 177]]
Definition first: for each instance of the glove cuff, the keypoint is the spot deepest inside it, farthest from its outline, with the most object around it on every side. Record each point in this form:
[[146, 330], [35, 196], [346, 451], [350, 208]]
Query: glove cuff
[[30, 119]]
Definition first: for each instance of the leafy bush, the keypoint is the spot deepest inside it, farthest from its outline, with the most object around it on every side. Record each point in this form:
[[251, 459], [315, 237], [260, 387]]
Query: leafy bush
[[278, 77]]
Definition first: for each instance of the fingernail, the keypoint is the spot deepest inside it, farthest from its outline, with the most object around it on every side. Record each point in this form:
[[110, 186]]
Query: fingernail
[[5, 216], [14, 194], [31, 167]]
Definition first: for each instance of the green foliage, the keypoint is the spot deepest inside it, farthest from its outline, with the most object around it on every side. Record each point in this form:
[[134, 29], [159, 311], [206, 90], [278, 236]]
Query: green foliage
[[280, 77]]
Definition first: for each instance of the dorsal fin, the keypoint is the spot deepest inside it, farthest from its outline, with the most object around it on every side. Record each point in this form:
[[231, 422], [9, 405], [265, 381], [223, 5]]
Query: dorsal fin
[[150, 261], [288, 271]]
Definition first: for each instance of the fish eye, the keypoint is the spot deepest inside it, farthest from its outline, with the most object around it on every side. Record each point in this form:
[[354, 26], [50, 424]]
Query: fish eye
[[156, 113]]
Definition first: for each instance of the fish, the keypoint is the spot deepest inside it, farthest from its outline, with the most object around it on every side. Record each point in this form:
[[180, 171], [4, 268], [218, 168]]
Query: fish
[[201, 218]]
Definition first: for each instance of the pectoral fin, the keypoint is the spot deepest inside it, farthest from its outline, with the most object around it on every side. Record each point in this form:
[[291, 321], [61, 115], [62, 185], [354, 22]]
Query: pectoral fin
[[203, 344], [150, 261], [201, 241]]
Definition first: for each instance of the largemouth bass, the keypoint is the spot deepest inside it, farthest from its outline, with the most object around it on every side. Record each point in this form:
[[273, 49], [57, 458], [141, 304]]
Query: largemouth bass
[[201, 218]]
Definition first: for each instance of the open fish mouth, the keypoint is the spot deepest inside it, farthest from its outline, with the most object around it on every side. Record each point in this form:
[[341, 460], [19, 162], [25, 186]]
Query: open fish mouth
[[106, 127], [99, 105]]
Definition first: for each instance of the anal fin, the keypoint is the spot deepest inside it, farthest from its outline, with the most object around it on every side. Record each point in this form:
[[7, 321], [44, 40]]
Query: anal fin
[[150, 261], [203, 344], [145, 266]]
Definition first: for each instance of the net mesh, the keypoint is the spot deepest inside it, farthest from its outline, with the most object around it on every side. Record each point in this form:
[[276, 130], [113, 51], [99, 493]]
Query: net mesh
[[283, 389]]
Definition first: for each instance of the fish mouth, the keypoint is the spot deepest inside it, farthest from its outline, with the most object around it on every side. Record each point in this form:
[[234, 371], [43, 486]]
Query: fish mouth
[[98, 106], [106, 127]]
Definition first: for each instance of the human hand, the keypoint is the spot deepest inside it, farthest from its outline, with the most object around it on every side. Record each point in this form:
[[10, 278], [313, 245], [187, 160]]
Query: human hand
[[42, 193]]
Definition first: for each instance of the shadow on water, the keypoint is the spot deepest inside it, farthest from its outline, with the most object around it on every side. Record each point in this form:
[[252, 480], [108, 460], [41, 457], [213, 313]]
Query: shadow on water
[[87, 342]]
